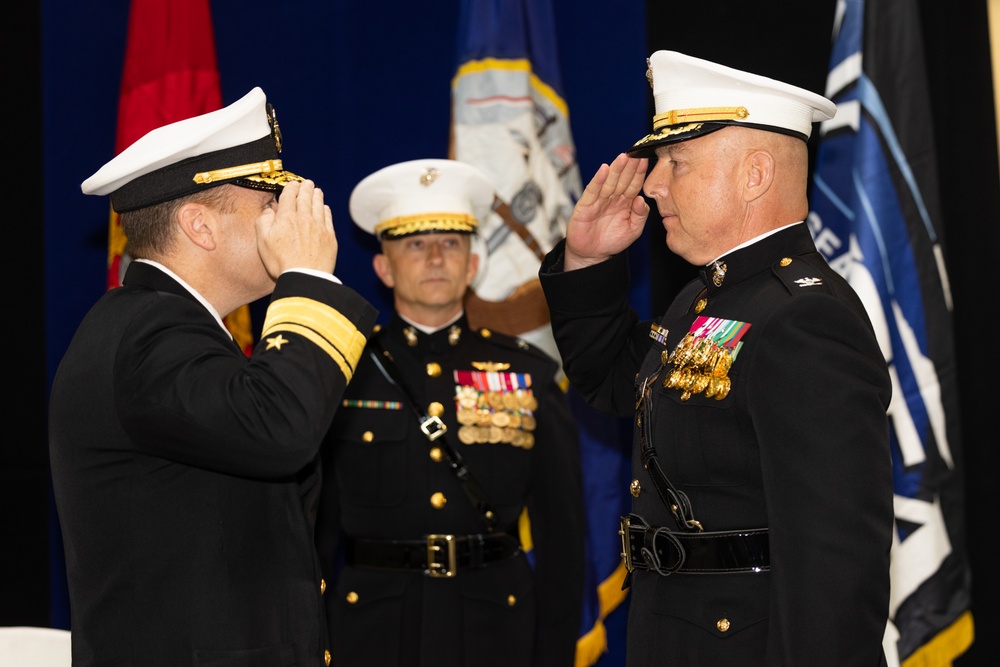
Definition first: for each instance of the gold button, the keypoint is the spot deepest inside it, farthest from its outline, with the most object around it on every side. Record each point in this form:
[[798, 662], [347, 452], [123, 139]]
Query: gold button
[[376, 328], [511, 600], [700, 306], [322, 586], [352, 598], [722, 624], [433, 369], [436, 454], [785, 261], [634, 488], [326, 658], [485, 333], [438, 500], [435, 409], [367, 436]]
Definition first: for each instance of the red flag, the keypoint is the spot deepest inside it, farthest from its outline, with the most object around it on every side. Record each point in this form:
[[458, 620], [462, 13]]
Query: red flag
[[170, 74]]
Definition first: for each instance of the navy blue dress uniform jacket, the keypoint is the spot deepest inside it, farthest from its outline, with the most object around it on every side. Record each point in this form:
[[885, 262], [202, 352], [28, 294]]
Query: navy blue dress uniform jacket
[[799, 445], [186, 475], [383, 482]]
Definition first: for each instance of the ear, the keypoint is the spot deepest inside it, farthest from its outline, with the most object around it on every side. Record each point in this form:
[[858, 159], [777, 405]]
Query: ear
[[197, 223], [470, 274], [759, 175], [383, 269]]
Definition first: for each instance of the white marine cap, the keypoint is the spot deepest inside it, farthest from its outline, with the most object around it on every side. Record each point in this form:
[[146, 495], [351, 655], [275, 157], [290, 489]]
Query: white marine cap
[[694, 97], [237, 144], [421, 197]]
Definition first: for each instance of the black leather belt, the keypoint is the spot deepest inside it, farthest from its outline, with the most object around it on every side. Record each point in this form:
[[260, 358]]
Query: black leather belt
[[665, 551], [435, 555]]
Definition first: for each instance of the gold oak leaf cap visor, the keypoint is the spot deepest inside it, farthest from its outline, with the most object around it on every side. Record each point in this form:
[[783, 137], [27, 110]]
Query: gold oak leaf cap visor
[[693, 97], [237, 144], [422, 197]]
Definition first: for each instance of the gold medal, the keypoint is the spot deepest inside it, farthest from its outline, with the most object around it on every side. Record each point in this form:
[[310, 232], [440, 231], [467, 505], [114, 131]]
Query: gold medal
[[501, 418], [528, 423], [495, 400], [467, 434]]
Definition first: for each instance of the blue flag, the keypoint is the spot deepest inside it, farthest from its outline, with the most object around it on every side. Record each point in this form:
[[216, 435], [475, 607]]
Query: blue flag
[[510, 119], [876, 218]]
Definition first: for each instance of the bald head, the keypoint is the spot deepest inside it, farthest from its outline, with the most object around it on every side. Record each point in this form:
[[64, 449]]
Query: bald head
[[721, 189]]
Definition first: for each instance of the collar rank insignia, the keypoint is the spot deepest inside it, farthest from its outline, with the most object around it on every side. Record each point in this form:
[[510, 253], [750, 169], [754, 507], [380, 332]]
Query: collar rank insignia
[[809, 282]]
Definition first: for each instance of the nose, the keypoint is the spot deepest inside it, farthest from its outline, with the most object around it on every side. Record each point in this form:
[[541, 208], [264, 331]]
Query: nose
[[434, 254], [655, 184]]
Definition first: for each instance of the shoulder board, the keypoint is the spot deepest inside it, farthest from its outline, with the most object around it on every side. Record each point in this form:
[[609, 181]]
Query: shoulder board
[[799, 276]]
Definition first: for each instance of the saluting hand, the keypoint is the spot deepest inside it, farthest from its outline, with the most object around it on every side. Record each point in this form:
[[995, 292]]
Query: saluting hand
[[300, 233], [609, 215]]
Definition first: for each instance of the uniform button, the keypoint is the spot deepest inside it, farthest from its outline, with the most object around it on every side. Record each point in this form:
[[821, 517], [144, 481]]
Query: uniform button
[[634, 488], [326, 658], [322, 586], [367, 436], [438, 500], [785, 261], [722, 624], [352, 598], [511, 600], [436, 454], [435, 409], [700, 306], [433, 369], [485, 333]]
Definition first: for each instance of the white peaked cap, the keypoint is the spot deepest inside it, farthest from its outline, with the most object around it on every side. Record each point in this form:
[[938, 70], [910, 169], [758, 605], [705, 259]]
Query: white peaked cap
[[693, 97], [237, 144], [421, 197]]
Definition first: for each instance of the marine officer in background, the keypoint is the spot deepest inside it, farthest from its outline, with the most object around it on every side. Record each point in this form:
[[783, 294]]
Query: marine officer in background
[[452, 520]]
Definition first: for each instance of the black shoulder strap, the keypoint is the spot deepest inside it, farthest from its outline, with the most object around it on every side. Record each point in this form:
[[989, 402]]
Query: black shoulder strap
[[435, 429]]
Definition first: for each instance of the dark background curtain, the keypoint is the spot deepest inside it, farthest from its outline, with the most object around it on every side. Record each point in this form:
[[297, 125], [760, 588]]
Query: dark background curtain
[[359, 85]]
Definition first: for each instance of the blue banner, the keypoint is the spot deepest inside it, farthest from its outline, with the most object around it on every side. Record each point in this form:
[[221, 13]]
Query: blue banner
[[876, 218], [509, 118]]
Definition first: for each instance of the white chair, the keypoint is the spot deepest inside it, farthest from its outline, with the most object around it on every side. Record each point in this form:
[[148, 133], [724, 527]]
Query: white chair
[[22, 646]]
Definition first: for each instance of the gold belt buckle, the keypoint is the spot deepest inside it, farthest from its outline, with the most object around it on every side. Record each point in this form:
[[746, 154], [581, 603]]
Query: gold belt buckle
[[437, 544], [626, 546]]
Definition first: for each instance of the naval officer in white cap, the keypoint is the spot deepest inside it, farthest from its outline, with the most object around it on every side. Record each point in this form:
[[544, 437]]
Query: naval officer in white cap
[[762, 492], [452, 480], [186, 474]]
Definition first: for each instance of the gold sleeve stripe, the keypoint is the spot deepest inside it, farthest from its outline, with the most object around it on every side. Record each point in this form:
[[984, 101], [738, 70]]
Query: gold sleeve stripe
[[326, 327]]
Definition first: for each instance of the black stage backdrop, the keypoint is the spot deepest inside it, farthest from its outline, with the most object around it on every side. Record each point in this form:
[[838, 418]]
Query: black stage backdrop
[[360, 85]]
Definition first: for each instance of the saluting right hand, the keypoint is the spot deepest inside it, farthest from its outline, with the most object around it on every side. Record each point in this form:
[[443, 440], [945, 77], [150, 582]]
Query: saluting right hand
[[609, 215], [300, 233]]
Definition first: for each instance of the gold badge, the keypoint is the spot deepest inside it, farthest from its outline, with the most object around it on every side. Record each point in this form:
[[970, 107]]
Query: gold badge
[[490, 366]]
